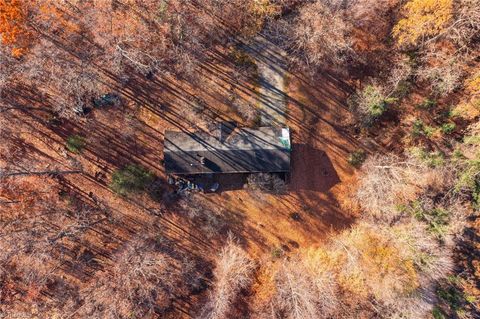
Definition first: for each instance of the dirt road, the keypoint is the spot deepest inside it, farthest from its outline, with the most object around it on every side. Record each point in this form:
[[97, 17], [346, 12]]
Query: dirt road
[[270, 60]]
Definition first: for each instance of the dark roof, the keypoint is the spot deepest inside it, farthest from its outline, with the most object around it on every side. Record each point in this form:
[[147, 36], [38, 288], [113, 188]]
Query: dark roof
[[266, 149]]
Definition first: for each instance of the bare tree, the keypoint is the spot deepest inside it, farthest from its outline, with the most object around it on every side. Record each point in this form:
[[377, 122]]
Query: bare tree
[[233, 272], [36, 233], [305, 288], [139, 283], [442, 70], [466, 23], [317, 35], [388, 180], [320, 35]]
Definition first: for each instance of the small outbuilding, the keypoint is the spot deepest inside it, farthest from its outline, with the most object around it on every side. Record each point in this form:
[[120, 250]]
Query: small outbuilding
[[229, 150]]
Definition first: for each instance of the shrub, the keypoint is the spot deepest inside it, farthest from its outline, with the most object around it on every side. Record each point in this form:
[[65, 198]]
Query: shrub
[[468, 181], [427, 104], [242, 59], [371, 103], [132, 178], [107, 100], [437, 218], [399, 80], [437, 313], [417, 128], [431, 159], [277, 252], [470, 109], [472, 84], [357, 158], [448, 128], [403, 88], [467, 110], [265, 182], [453, 297], [429, 131], [457, 155], [375, 101], [75, 143]]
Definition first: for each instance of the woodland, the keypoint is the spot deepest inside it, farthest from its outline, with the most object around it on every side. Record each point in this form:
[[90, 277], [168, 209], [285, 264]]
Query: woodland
[[378, 217]]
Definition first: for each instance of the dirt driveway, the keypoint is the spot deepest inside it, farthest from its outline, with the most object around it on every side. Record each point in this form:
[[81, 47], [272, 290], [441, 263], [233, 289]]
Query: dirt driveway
[[270, 60]]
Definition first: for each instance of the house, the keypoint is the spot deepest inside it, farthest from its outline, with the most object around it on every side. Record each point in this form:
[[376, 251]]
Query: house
[[229, 150]]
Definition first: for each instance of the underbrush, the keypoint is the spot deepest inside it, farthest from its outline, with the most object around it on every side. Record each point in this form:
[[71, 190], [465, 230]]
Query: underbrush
[[130, 179], [436, 219], [264, 182], [357, 158], [210, 220], [396, 261], [75, 143]]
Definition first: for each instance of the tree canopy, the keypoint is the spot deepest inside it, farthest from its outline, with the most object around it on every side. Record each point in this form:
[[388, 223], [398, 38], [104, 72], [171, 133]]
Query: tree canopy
[[13, 29], [422, 19]]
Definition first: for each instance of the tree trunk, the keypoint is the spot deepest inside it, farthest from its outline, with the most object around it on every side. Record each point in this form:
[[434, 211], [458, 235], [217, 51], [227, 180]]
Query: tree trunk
[[39, 173]]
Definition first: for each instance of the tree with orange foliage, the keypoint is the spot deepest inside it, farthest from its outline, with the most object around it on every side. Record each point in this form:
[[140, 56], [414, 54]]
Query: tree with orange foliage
[[473, 85], [423, 19], [13, 29]]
